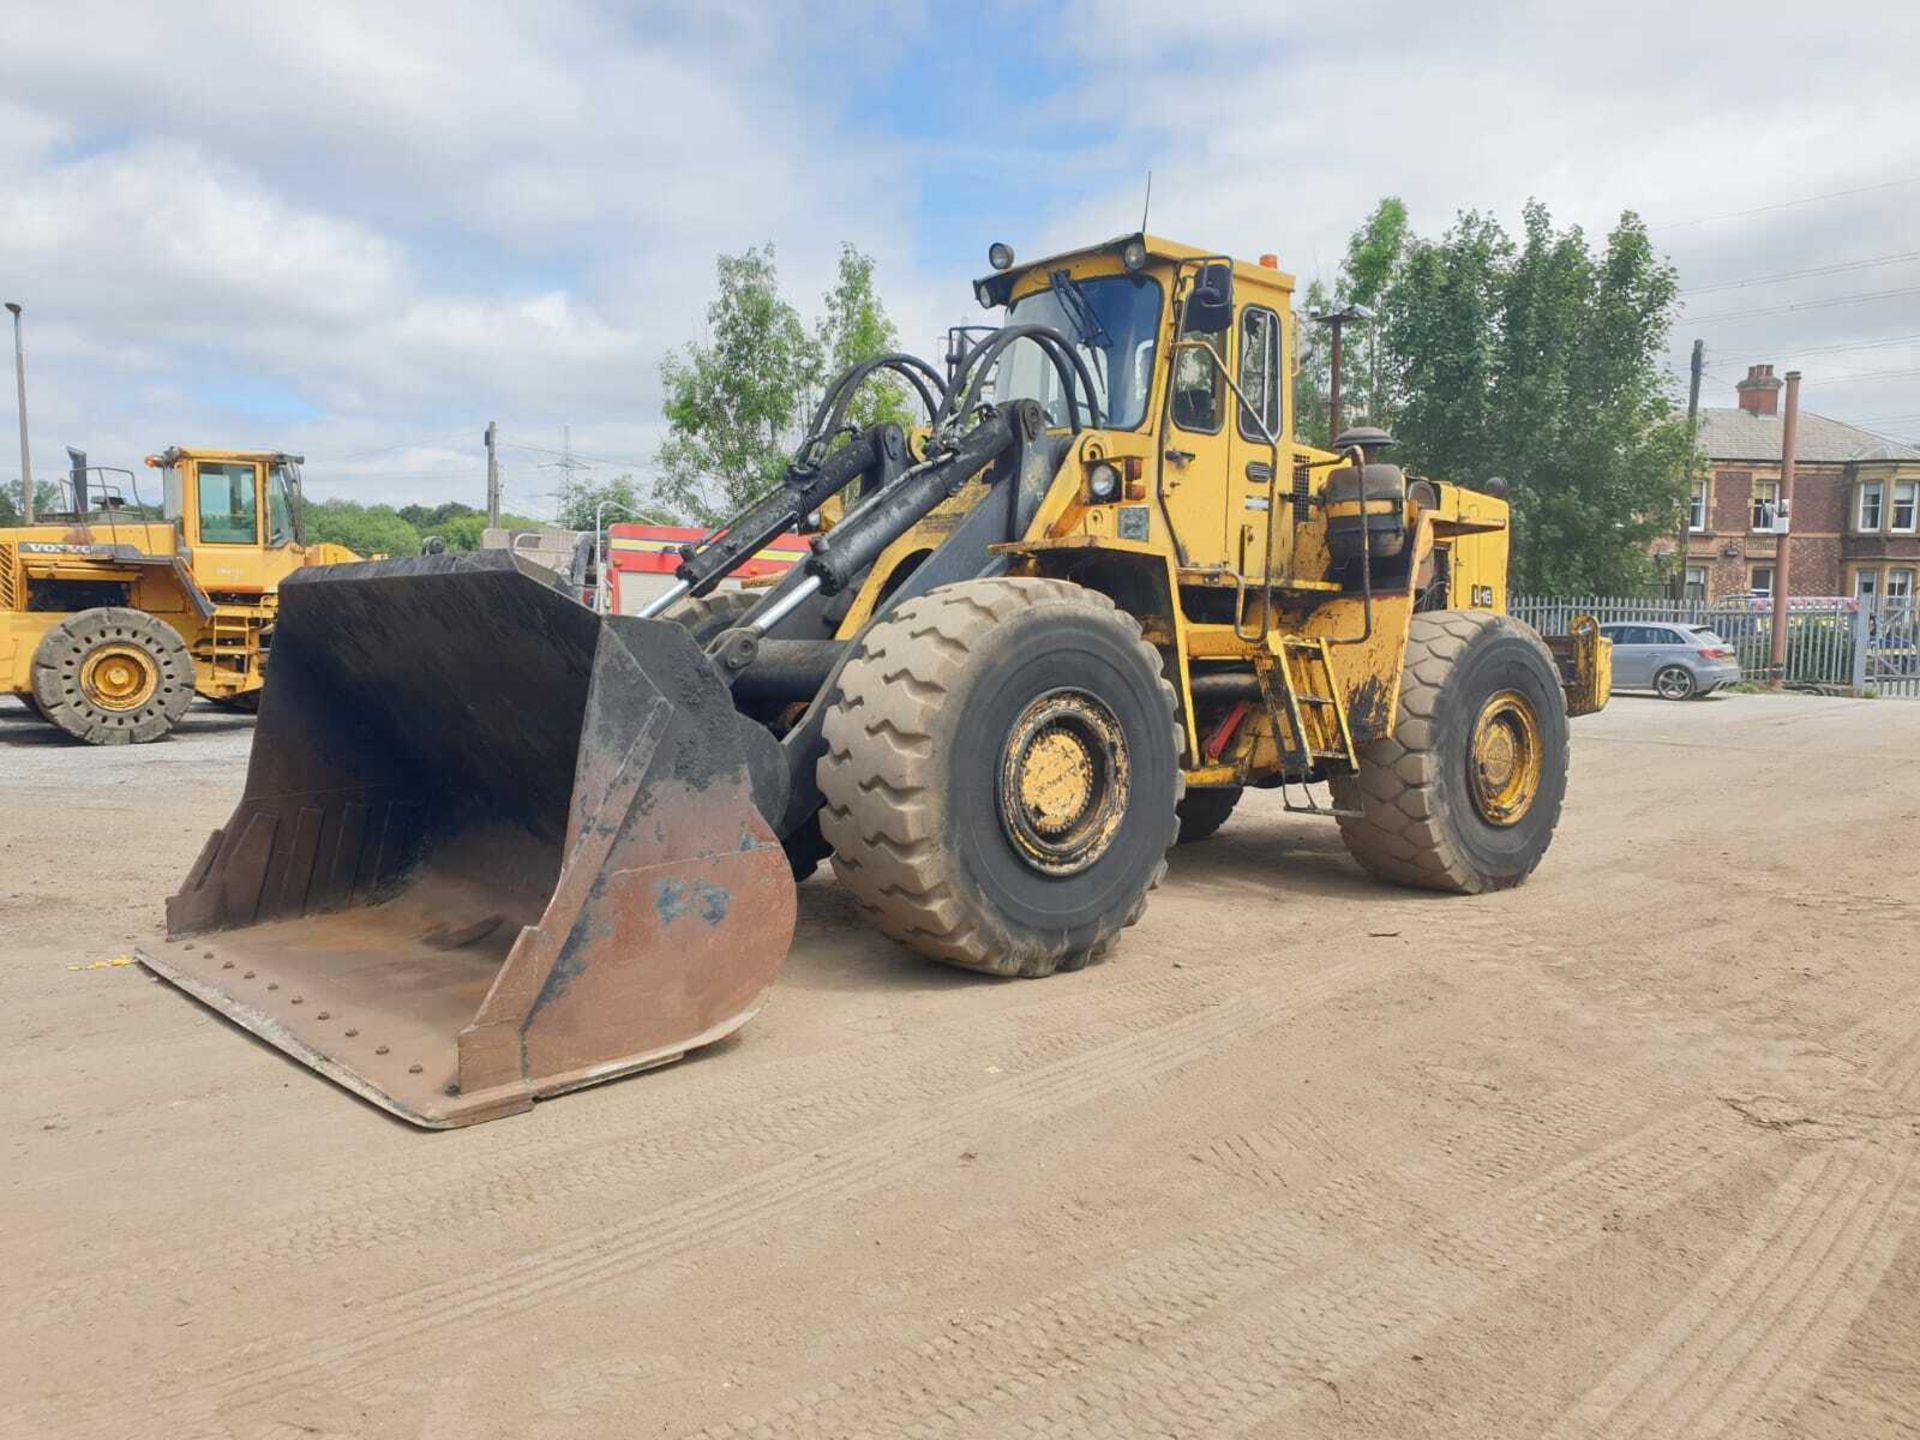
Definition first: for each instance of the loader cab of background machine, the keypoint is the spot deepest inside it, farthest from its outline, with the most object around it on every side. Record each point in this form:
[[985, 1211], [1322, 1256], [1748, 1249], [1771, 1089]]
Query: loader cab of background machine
[[237, 515]]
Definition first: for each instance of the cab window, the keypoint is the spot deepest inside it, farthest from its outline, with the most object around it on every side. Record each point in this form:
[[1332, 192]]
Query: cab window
[[1259, 373], [229, 510], [279, 508], [1196, 385]]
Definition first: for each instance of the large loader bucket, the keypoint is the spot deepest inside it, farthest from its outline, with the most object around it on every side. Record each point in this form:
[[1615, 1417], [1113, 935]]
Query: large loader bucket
[[491, 847]]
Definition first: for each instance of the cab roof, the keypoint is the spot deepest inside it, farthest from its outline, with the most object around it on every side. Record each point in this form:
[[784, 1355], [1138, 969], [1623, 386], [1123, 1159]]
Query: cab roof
[[173, 454], [997, 288]]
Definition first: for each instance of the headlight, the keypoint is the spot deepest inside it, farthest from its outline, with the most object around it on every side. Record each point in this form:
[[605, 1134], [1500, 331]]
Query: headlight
[[1103, 482], [1000, 255], [1134, 256]]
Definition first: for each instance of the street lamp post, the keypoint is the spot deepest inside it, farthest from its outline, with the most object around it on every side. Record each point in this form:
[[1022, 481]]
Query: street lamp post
[[600, 546], [20, 385], [1337, 322]]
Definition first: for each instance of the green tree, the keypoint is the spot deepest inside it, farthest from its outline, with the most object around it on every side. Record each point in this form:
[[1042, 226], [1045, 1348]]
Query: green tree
[[464, 531], [614, 501], [1538, 361], [734, 399], [739, 401], [1374, 254], [854, 327], [364, 529], [428, 519], [47, 498]]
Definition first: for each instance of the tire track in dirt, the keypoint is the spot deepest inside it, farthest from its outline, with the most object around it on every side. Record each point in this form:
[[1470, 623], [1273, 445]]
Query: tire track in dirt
[[1752, 1335], [491, 1299], [1270, 1355], [778, 1107], [970, 1371], [1286, 1349]]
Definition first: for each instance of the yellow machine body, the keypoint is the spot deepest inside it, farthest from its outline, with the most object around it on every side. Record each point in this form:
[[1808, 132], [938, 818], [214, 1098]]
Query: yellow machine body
[[1188, 544]]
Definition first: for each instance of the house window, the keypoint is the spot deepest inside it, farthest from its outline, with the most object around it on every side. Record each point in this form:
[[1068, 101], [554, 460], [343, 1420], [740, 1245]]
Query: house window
[[1766, 504], [1900, 586], [1761, 580], [1873, 500], [1697, 507], [1906, 505], [1866, 588], [1696, 582]]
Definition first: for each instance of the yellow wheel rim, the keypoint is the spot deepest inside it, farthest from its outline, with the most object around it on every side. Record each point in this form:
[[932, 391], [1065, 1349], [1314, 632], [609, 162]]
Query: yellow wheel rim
[[119, 678], [1056, 780], [1504, 760], [1063, 782]]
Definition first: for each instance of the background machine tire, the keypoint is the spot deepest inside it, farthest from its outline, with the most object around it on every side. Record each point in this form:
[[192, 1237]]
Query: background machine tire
[[1465, 794], [707, 616], [1204, 811], [112, 676], [1001, 775]]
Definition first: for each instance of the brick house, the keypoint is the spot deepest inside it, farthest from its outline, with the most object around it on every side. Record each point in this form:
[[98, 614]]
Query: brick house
[[1856, 504]]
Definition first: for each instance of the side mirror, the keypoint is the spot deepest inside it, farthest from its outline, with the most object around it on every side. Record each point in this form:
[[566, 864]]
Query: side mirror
[[1209, 308]]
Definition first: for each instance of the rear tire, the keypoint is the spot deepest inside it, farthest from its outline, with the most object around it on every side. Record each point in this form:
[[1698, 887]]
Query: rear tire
[[1001, 775], [113, 676], [1675, 682], [1204, 811], [1465, 794]]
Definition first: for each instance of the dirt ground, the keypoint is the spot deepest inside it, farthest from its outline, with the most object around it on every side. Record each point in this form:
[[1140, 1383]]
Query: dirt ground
[[1630, 1151]]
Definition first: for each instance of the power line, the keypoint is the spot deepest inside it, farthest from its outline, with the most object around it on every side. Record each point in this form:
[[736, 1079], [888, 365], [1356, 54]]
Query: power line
[[1858, 345], [1837, 269], [1805, 305], [576, 454], [1867, 375], [1786, 204], [387, 449]]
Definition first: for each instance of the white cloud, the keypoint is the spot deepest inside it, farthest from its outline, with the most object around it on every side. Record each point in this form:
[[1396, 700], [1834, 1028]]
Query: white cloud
[[1277, 126], [398, 218]]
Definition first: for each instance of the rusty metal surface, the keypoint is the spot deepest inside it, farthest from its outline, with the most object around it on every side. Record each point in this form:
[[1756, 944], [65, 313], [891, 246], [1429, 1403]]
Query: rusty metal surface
[[491, 847]]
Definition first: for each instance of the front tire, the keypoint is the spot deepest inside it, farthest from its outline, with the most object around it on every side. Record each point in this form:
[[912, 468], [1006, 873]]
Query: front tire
[[113, 676], [1001, 775], [1465, 794]]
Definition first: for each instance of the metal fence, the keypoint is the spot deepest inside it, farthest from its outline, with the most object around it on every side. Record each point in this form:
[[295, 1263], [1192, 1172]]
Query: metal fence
[[1832, 642]]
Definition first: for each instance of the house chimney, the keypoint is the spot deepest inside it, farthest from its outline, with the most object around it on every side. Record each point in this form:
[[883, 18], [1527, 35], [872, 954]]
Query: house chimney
[[1759, 392]]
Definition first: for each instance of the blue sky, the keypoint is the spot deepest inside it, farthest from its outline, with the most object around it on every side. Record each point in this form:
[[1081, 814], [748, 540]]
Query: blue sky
[[361, 230]]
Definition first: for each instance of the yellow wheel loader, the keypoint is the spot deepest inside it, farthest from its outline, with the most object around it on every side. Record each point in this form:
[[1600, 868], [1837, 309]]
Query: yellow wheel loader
[[112, 620], [493, 847]]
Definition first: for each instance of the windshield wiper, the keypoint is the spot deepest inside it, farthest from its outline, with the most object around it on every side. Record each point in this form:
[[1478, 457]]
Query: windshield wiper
[[1086, 324]]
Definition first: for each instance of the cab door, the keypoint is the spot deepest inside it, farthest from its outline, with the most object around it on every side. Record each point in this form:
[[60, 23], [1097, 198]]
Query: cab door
[[223, 524], [1199, 444]]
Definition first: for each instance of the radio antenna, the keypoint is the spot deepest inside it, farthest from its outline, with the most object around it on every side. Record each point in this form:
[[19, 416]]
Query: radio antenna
[[1147, 204]]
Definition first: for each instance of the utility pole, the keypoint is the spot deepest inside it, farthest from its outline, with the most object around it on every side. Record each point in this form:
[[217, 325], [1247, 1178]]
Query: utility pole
[[20, 384], [1790, 425], [493, 475], [1337, 322], [1693, 447]]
